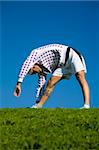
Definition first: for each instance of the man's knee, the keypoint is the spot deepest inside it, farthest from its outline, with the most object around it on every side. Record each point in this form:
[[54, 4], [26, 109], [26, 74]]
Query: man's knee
[[80, 76], [52, 81]]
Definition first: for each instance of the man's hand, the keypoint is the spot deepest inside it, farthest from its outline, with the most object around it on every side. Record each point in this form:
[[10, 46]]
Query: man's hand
[[17, 90]]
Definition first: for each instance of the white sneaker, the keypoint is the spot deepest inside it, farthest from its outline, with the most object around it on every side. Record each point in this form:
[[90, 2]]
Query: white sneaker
[[34, 106], [37, 106], [86, 106]]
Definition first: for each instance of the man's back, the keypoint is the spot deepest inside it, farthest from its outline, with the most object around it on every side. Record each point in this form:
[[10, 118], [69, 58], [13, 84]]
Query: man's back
[[49, 56]]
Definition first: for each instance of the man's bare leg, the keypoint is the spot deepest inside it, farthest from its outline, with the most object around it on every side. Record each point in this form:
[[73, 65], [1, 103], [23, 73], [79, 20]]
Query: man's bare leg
[[80, 76], [50, 87]]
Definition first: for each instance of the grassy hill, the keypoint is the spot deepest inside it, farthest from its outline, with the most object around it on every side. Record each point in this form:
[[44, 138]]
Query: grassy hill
[[49, 129]]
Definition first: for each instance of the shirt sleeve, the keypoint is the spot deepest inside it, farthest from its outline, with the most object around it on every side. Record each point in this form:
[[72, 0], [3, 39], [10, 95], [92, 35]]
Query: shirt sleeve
[[41, 87], [28, 63]]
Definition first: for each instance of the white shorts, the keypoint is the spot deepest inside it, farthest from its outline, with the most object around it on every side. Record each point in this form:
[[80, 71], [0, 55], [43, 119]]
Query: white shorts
[[72, 66]]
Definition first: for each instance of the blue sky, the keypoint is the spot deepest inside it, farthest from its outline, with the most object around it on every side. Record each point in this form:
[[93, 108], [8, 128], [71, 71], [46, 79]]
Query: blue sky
[[27, 25]]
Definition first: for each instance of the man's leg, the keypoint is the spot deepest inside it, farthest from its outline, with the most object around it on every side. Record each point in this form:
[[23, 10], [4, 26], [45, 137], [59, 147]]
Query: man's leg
[[80, 76], [50, 86]]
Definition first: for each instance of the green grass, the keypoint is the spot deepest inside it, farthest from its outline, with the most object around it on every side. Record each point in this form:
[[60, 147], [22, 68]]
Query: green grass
[[49, 129]]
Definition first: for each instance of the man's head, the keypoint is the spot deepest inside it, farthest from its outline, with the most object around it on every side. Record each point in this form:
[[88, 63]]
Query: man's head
[[35, 69]]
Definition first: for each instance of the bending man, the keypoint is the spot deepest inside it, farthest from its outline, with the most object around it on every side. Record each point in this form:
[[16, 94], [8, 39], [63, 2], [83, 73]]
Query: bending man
[[62, 62]]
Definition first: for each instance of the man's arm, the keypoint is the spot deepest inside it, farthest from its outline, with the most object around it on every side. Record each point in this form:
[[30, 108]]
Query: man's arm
[[30, 61], [50, 86]]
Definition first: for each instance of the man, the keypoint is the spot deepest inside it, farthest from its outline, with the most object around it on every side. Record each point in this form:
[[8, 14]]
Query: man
[[61, 61]]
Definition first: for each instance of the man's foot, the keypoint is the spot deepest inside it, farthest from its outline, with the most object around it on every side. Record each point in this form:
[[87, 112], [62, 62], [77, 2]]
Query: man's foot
[[34, 106], [86, 106], [37, 106]]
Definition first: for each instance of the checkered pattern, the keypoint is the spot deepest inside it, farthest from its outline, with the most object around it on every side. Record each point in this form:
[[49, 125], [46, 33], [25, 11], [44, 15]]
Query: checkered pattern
[[41, 87], [49, 56]]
